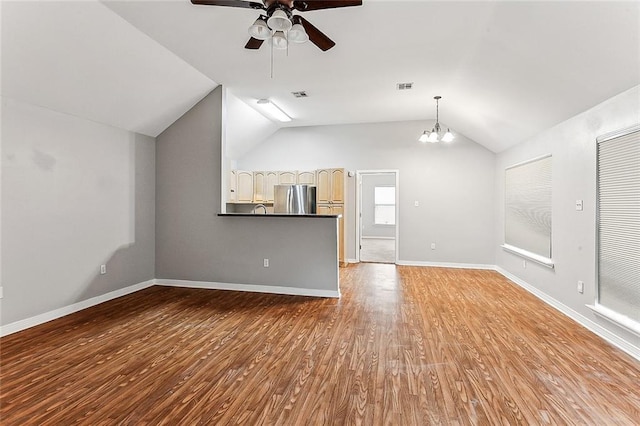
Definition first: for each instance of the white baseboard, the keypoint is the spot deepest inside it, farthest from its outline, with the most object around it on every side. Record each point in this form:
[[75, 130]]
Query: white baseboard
[[57, 313], [253, 288], [446, 265], [610, 337], [352, 261]]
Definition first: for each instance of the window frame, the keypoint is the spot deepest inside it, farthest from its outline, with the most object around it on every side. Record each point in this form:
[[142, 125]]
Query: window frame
[[603, 311], [529, 255]]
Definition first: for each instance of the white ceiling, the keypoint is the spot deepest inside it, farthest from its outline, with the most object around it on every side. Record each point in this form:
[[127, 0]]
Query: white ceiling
[[506, 70], [80, 58]]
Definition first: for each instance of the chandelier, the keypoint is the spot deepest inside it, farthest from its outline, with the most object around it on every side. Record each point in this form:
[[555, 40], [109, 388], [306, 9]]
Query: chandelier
[[435, 135]]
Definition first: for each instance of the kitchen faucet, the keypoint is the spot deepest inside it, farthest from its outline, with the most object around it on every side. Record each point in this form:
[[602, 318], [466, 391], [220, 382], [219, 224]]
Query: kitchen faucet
[[256, 208]]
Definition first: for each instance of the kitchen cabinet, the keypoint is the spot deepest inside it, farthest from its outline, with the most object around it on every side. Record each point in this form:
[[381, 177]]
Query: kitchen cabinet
[[306, 178], [287, 178], [330, 186], [270, 181], [244, 186], [330, 200], [337, 209], [263, 183]]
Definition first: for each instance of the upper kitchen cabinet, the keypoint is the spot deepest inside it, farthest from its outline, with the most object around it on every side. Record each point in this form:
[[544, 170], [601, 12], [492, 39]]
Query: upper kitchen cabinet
[[243, 186], [306, 178], [263, 186], [287, 178], [330, 183]]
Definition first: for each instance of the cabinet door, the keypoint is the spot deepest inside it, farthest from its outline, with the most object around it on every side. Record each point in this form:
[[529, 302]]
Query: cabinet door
[[323, 183], [244, 186], [337, 185], [270, 181], [258, 187], [232, 185], [307, 178], [287, 178], [323, 209]]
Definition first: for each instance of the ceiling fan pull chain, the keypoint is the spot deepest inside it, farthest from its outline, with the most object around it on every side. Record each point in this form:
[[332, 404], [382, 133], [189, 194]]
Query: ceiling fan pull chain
[[271, 60]]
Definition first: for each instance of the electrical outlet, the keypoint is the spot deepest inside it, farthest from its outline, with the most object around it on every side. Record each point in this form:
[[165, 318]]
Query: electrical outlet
[[266, 263], [433, 246], [103, 269], [580, 287], [524, 264]]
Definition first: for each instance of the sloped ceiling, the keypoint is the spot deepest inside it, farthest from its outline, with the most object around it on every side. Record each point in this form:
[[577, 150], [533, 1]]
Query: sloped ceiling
[[80, 58], [505, 70]]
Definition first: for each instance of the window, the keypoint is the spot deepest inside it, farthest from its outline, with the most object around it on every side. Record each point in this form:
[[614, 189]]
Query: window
[[528, 210], [385, 205], [618, 223]]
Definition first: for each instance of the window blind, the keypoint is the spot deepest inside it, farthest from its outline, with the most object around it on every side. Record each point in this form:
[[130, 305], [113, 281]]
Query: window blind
[[618, 218], [528, 208]]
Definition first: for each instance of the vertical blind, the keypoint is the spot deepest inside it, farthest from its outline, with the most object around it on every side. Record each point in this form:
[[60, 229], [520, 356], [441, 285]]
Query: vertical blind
[[528, 206], [619, 224]]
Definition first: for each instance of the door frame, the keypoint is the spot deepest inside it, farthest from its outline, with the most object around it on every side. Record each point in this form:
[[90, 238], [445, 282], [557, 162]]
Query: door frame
[[359, 174]]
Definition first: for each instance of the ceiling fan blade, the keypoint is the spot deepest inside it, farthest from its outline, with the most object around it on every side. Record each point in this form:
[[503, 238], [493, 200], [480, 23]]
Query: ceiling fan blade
[[230, 3], [253, 44], [304, 5], [316, 36]]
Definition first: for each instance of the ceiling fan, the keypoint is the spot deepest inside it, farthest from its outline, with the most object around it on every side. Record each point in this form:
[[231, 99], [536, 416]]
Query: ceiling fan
[[280, 24]]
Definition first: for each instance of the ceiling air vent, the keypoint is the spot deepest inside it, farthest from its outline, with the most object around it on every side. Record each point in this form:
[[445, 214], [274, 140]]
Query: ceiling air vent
[[404, 86], [300, 94]]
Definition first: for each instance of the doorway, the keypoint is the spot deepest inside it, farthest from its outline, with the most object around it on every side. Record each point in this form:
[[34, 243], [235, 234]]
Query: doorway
[[377, 216]]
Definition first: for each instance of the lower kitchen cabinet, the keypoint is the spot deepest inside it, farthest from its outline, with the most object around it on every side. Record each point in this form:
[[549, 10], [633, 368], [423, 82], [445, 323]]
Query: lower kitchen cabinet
[[337, 209]]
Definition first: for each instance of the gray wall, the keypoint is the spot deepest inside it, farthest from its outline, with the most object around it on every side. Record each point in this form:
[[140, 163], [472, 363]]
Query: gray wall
[[367, 193], [75, 194], [193, 243], [573, 146], [453, 183]]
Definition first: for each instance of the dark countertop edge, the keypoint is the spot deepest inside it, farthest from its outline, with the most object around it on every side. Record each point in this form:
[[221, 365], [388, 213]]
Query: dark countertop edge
[[280, 215]]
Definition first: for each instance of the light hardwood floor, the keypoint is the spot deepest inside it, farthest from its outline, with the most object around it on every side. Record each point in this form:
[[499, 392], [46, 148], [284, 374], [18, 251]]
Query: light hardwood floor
[[403, 346]]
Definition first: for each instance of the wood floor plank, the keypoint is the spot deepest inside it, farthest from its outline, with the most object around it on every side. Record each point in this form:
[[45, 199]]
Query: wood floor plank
[[404, 345]]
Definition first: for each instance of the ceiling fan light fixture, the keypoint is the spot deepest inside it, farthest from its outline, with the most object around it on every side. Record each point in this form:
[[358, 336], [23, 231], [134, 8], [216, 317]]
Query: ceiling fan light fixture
[[273, 110], [279, 21], [297, 34], [279, 40], [260, 30]]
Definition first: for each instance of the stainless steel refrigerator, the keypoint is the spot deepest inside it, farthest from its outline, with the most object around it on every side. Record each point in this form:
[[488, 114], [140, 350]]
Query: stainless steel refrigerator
[[295, 199]]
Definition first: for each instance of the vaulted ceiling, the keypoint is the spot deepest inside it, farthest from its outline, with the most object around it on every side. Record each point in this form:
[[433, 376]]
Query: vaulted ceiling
[[505, 70]]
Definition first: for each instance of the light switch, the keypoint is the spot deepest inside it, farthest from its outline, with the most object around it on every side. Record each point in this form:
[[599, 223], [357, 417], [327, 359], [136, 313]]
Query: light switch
[[579, 205], [416, 203]]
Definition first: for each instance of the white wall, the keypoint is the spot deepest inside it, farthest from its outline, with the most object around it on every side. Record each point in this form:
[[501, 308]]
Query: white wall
[[453, 183], [75, 194], [573, 146]]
